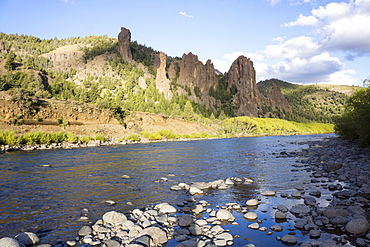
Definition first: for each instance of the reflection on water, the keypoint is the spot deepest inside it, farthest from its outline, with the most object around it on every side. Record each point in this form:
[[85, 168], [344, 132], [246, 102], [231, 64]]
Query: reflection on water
[[50, 199]]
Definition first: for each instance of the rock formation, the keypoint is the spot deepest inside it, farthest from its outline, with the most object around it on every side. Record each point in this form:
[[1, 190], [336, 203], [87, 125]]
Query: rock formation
[[162, 82], [275, 99], [195, 78], [189, 76], [2, 48], [243, 76], [248, 99], [124, 38]]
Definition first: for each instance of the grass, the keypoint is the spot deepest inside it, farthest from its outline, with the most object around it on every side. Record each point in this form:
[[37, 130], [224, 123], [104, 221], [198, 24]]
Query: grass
[[272, 126], [238, 126], [41, 137]]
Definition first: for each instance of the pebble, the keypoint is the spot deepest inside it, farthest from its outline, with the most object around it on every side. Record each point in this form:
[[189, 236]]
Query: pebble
[[250, 216], [268, 193], [254, 226], [289, 239], [252, 202]]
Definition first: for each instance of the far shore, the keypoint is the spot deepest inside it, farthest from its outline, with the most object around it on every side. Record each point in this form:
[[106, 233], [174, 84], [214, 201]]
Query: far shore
[[97, 143]]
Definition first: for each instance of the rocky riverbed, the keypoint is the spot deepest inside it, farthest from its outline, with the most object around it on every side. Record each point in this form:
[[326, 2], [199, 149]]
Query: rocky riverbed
[[333, 210]]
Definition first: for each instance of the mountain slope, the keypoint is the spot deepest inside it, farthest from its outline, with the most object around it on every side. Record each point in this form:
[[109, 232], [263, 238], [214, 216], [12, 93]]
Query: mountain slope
[[311, 103]]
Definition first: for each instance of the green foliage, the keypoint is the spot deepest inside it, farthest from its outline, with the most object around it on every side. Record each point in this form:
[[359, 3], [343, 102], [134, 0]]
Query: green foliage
[[70, 137], [100, 45], [9, 138], [100, 137], [142, 54], [133, 137], [40, 137], [85, 139], [168, 134], [354, 123], [9, 61], [151, 136], [24, 99], [197, 92], [246, 126], [309, 103], [225, 96]]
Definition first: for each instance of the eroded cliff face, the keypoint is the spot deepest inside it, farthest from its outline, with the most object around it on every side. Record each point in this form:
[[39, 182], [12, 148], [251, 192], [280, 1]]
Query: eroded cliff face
[[196, 78], [243, 76], [124, 38], [189, 76], [275, 99], [162, 82], [248, 99]]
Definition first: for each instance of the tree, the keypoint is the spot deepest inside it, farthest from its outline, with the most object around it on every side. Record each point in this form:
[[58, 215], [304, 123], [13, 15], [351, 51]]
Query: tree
[[354, 123], [189, 111], [366, 83], [9, 62]]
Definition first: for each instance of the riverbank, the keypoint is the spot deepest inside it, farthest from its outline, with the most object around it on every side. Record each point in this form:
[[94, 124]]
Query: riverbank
[[337, 169]]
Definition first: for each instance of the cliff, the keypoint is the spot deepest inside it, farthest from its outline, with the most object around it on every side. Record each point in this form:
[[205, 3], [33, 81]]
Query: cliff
[[235, 92]]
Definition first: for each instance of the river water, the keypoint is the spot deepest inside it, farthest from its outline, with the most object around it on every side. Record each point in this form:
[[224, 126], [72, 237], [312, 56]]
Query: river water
[[46, 191]]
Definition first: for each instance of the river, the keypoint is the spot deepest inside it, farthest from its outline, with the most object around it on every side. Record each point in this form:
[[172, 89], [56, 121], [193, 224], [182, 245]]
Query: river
[[46, 191]]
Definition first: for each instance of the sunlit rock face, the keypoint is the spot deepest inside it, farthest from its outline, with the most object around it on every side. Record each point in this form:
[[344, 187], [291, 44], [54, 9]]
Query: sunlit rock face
[[124, 38]]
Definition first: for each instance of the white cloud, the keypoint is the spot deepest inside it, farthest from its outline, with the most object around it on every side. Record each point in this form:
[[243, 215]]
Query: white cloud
[[273, 2], [68, 1], [343, 26], [316, 69], [333, 11], [186, 15], [300, 2], [224, 64], [344, 77], [349, 34], [302, 21], [302, 47]]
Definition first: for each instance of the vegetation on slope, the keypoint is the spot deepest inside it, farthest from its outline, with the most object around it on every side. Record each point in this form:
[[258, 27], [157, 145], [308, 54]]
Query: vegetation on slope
[[30, 77], [354, 124], [311, 103]]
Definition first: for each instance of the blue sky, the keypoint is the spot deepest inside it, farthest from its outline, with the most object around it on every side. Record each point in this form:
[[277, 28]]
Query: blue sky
[[299, 41]]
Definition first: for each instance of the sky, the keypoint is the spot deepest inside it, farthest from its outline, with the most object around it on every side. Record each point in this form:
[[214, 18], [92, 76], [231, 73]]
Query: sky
[[298, 41]]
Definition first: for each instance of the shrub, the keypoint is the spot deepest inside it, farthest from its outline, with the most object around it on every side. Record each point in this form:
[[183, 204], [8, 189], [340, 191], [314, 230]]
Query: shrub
[[100, 137], [9, 138], [354, 123], [133, 137], [151, 136], [85, 139], [71, 137], [58, 137], [168, 134], [32, 138]]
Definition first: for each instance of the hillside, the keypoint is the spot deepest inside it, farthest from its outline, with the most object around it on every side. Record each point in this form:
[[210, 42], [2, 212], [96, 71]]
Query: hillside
[[311, 103], [116, 79]]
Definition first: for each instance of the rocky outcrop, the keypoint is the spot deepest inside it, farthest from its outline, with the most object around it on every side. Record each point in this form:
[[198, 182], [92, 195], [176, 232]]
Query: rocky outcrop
[[2, 48], [195, 78], [248, 99], [162, 82], [275, 99], [124, 38], [243, 76], [66, 58]]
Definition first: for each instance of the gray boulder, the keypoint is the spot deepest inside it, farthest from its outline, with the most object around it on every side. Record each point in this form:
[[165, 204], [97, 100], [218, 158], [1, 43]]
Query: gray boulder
[[158, 236], [186, 220], [357, 226], [289, 239], [28, 238], [85, 230], [114, 218], [224, 214], [10, 242]]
